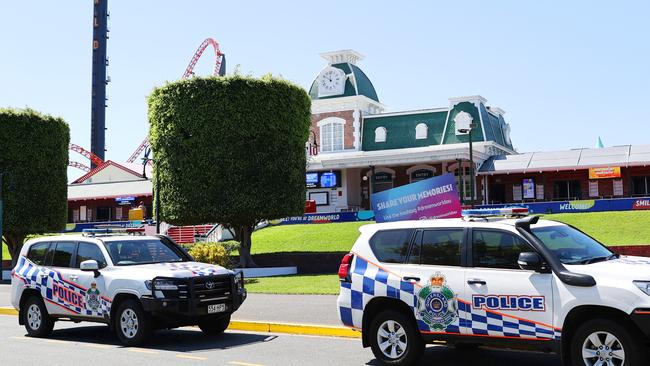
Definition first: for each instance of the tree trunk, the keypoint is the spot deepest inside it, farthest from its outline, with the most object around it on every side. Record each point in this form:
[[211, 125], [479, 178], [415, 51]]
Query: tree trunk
[[245, 259], [15, 244]]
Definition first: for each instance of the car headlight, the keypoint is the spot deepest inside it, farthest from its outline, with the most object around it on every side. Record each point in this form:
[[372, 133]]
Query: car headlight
[[239, 280], [165, 285], [643, 286]]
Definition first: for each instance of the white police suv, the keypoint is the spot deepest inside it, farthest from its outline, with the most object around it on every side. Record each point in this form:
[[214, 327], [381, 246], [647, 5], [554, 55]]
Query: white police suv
[[519, 283], [132, 283]]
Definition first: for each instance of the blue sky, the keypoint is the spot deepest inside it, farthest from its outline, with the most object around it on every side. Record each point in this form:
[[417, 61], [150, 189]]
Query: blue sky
[[564, 72]]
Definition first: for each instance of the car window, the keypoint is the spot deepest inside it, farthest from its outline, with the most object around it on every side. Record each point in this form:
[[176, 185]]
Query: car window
[[88, 251], [438, 247], [391, 246], [37, 253], [497, 249], [127, 252], [570, 245], [63, 254]]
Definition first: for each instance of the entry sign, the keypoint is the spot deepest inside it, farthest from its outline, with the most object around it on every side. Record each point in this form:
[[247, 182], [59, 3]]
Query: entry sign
[[433, 198]]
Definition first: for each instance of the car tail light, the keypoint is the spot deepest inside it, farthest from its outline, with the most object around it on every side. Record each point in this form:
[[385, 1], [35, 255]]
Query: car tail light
[[344, 268]]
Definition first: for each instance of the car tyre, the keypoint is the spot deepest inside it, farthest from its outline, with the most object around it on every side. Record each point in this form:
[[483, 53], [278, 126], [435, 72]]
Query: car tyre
[[394, 339], [38, 322], [132, 323], [603, 340], [213, 325]]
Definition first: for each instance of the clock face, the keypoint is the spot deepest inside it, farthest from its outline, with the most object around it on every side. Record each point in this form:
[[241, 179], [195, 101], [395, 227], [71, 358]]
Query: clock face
[[331, 82]]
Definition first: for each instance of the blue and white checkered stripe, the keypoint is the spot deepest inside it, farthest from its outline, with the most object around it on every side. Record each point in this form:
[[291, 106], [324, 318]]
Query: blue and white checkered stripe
[[368, 281], [28, 272]]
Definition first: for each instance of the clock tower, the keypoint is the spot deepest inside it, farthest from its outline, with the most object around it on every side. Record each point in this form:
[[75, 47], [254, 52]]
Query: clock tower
[[341, 95]]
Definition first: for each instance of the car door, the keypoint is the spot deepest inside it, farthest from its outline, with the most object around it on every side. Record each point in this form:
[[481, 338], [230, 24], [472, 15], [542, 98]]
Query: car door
[[434, 265], [92, 288], [504, 300], [63, 294]]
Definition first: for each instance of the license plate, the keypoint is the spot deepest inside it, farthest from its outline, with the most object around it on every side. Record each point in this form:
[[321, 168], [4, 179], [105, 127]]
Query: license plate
[[216, 308]]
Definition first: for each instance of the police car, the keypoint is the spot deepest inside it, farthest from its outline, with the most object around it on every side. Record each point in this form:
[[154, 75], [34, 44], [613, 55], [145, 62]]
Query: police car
[[134, 284], [513, 282]]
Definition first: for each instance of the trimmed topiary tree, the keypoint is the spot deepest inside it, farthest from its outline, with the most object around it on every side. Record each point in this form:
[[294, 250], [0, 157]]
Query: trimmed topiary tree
[[34, 159], [230, 150]]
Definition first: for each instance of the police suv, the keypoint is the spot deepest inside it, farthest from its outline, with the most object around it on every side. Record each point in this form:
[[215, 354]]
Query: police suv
[[134, 284], [519, 283]]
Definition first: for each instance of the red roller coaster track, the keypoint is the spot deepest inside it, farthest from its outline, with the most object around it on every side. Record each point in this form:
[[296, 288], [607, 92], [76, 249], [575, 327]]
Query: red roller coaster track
[[189, 71]]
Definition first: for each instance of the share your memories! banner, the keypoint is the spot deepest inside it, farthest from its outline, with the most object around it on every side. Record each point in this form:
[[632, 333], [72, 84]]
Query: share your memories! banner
[[433, 198]]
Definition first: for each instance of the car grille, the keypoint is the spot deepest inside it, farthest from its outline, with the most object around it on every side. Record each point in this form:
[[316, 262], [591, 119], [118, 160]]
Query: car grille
[[212, 288]]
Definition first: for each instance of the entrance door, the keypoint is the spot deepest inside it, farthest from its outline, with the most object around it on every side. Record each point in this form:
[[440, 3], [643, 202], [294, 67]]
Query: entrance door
[[504, 300], [497, 193]]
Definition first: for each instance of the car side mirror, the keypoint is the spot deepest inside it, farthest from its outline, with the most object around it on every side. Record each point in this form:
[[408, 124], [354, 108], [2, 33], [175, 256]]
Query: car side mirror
[[531, 261], [90, 265]]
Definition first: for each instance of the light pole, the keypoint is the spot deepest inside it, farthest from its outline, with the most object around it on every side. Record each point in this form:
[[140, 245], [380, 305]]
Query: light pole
[[467, 128], [145, 160]]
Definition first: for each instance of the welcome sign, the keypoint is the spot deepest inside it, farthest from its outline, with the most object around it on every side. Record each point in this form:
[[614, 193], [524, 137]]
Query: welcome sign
[[432, 198]]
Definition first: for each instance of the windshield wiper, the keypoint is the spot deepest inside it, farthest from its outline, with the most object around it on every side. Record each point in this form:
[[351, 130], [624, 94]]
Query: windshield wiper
[[594, 259]]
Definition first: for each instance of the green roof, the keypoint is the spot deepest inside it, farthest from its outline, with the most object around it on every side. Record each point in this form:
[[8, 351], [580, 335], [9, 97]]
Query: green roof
[[363, 84]]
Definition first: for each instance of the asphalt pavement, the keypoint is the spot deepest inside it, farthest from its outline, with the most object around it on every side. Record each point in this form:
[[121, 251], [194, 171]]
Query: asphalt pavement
[[87, 343], [308, 309]]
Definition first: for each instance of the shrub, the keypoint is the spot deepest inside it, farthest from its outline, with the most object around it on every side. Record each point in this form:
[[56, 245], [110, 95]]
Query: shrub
[[213, 253]]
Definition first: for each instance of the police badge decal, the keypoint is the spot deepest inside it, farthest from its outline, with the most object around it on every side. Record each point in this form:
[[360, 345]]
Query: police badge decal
[[92, 297], [437, 304]]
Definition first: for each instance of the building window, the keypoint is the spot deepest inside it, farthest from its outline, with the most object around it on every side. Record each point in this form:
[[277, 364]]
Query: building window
[[566, 189], [640, 186], [421, 131], [380, 134], [382, 181], [331, 135]]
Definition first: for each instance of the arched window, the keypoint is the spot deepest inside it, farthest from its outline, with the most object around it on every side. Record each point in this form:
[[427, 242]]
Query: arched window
[[421, 131], [380, 134], [331, 134]]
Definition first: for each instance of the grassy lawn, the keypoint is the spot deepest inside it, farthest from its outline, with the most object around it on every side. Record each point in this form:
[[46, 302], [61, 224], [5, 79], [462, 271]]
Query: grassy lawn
[[611, 228], [297, 284], [337, 237]]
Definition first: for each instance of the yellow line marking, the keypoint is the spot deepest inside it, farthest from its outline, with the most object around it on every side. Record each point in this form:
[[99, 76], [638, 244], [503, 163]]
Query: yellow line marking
[[189, 357], [142, 350], [56, 341], [25, 338], [8, 311], [100, 346], [303, 329], [244, 363]]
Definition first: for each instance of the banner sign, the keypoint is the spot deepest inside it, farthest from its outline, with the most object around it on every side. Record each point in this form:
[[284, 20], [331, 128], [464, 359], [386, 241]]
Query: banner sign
[[432, 198], [327, 217], [601, 173], [616, 204]]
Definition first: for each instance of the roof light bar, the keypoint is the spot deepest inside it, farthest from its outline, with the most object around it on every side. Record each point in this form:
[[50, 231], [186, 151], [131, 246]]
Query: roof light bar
[[113, 230], [504, 211]]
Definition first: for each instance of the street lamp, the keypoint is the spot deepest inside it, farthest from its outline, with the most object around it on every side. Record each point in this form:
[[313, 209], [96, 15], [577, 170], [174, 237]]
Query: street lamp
[[145, 160], [464, 125]]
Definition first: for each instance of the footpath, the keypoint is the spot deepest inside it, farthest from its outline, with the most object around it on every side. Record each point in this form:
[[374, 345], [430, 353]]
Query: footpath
[[293, 314]]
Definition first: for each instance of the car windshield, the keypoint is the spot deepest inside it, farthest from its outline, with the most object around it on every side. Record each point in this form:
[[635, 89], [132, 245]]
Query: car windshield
[[572, 246], [126, 252]]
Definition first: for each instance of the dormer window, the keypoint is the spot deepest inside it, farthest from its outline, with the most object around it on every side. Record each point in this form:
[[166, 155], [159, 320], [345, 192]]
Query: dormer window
[[421, 131], [380, 134]]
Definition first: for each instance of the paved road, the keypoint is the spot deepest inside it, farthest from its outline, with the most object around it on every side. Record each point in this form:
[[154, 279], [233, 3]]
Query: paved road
[[312, 309], [93, 344]]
